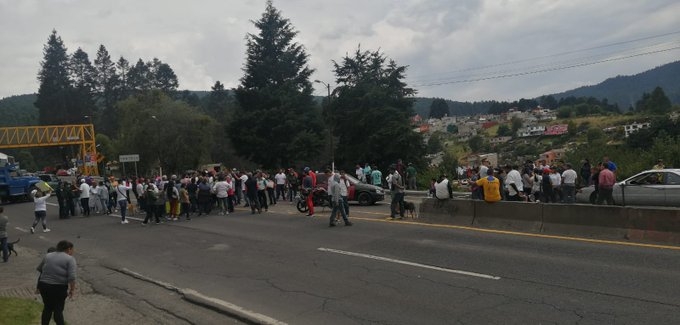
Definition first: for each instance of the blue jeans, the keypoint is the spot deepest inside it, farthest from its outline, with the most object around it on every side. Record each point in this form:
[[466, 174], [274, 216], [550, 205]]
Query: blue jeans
[[569, 193], [339, 207], [122, 204], [222, 202]]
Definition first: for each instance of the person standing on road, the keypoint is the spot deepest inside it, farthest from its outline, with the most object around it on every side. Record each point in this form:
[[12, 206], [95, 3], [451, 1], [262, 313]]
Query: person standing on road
[[513, 183], [85, 197], [336, 200], [280, 185], [57, 281], [40, 211], [221, 190], [569, 177], [3, 234], [606, 181], [104, 198], [376, 176], [122, 189], [151, 195], [309, 184], [397, 185], [411, 176], [251, 193]]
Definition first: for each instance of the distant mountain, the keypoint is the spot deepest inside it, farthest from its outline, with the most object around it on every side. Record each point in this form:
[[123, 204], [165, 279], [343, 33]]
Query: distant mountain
[[18, 110], [626, 90]]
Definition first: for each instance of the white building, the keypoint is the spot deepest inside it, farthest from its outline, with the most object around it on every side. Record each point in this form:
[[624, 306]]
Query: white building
[[631, 128]]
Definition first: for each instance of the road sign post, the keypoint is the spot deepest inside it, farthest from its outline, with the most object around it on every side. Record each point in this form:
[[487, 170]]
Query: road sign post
[[129, 158]]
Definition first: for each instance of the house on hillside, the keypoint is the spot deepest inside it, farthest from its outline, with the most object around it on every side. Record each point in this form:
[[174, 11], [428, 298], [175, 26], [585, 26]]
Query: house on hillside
[[497, 140], [551, 157], [634, 127], [531, 131], [557, 129]]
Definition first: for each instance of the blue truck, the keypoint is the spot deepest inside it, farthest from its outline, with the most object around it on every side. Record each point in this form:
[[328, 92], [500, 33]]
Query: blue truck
[[13, 186]]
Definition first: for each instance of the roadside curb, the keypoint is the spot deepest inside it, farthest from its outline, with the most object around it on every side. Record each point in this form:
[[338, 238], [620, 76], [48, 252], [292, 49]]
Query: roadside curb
[[199, 299]]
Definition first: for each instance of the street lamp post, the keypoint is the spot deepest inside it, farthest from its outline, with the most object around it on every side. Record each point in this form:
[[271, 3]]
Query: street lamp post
[[331, 121]]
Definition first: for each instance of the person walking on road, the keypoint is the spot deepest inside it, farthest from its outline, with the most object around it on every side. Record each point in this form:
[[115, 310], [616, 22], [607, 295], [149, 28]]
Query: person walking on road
[[338, 205], [40, 211], [85, 197], [397, 185], [57, 281], [122, 189], [3, 234]]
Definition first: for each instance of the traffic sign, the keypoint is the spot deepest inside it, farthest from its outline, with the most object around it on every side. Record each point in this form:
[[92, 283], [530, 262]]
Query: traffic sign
[[128, 158]]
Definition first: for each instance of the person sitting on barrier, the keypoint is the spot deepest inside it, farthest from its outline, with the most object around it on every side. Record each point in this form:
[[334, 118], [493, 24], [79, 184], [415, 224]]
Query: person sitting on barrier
[[491, 186], [442, 189]]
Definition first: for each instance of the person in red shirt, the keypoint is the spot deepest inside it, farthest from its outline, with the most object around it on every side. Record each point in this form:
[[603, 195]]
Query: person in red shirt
[[606, 180], [310, 184]]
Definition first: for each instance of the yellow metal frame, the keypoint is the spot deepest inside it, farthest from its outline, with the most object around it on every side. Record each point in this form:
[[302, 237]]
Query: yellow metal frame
[[55, 135]]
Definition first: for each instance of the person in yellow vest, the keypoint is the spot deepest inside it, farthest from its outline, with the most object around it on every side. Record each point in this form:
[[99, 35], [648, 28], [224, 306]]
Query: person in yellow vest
[[491, 186]]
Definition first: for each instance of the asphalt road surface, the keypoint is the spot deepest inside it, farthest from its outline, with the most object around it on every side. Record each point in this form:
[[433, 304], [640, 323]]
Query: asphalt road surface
[[297, 270]]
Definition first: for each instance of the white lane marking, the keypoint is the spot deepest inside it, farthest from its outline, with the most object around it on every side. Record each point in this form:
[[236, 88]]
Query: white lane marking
[[21, 229], [391, 260]]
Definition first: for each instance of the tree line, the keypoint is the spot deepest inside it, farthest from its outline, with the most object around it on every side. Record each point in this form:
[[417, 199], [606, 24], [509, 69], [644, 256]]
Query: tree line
[[270, 120]]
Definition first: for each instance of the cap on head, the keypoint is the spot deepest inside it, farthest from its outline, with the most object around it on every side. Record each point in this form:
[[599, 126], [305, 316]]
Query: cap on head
[[306, 169], [82, 180]]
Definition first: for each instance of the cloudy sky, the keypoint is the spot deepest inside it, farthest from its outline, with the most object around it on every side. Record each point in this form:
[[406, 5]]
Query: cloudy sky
[[462, 50]]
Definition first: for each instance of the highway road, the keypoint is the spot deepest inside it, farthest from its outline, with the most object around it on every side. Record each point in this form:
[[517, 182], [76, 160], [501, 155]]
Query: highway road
[[297, 270]]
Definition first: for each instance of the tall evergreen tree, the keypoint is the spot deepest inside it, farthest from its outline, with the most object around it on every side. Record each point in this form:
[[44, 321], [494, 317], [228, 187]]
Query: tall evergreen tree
[[53, 95], [656, 103], [439, 108], [83, 82], [105, 78], [122, 75], [139, 77], [373, 108], [277, 123]]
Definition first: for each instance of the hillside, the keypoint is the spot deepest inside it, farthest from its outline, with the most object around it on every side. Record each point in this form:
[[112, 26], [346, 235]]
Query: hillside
[[626, 90], [18, 110]]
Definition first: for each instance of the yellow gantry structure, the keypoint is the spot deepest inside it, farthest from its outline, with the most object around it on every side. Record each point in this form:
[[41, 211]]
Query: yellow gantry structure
[[55, 135]]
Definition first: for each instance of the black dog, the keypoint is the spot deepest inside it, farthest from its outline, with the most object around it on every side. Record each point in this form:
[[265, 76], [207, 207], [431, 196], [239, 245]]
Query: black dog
[[10, 247], [410, 209]]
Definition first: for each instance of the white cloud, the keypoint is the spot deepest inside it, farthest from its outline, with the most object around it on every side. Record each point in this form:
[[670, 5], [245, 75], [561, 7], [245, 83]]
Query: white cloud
[[439, 40]]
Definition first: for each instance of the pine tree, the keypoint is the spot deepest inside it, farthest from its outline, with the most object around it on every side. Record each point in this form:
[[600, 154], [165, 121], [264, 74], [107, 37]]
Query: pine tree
[[82, 79], [373, 110], [105, 78], [277, 123], [53, 95], [439, 108]]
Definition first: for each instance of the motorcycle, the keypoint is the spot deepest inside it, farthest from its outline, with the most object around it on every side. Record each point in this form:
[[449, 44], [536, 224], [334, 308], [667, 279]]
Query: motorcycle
[[320, 198]]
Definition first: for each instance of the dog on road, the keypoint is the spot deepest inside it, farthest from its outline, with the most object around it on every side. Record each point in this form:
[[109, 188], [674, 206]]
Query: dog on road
[[410, 209], [10, 247]]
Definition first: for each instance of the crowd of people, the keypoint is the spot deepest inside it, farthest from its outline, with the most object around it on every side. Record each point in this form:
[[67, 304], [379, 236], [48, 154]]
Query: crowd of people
[[535, 182]]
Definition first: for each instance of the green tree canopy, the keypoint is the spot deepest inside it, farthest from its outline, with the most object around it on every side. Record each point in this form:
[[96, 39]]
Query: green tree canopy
[[372, 110], [439, 108], [276, 123], [155, 126], [655, 103], [53, 99]]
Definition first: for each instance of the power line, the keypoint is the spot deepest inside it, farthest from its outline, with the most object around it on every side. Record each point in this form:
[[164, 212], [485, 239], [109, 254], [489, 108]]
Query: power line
[[578, 65], [557, 54]]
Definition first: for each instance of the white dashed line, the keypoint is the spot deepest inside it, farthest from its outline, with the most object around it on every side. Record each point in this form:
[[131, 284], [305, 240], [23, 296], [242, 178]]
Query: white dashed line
[[391, 260]]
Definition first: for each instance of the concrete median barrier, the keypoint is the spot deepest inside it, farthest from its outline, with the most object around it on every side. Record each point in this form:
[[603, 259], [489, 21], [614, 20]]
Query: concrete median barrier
[[450, 211], [638, 224], [653, 225], [517, 216], [596, 221]]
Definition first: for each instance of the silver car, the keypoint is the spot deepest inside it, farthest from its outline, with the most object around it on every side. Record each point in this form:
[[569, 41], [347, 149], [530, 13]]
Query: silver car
[[656, 187]]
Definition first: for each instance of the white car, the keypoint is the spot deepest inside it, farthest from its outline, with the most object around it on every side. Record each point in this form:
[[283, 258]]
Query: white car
[[655, 187]]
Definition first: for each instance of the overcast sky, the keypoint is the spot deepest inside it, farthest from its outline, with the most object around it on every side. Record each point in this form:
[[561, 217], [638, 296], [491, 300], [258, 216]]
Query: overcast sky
[[462, 50]]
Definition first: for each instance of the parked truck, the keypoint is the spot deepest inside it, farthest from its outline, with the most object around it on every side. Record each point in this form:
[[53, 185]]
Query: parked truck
[[13, 185]]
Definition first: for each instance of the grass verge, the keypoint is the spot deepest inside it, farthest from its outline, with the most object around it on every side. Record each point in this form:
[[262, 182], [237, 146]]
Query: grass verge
[[17, 311]]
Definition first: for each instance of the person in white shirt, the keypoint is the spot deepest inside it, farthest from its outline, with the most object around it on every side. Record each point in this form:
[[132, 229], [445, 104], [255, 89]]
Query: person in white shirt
[[221, 190], [40, 211], [442, 190], [85, 197], [513, 184], [556, 182], [121, 190], [569, 184], [281, 180]]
